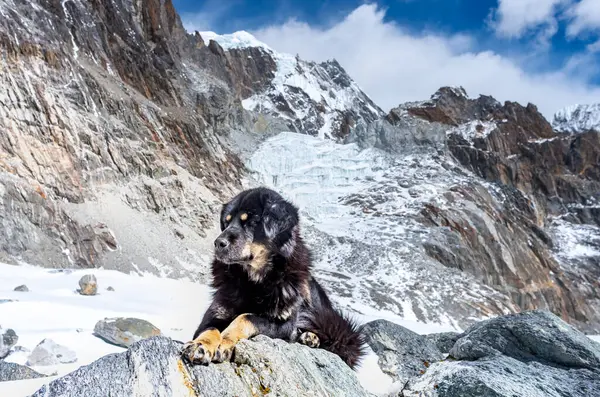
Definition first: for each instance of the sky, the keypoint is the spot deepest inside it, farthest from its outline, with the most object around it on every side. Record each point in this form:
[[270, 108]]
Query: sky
[[546, 52]]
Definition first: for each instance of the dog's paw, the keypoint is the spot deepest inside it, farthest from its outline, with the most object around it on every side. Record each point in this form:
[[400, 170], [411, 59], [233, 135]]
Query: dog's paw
[[224, 351], [197, 353], [202, 349], [309, 339]]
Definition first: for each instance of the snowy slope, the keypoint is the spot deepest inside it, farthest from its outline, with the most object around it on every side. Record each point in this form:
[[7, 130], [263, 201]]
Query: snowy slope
[[317, 99], [577, 118]]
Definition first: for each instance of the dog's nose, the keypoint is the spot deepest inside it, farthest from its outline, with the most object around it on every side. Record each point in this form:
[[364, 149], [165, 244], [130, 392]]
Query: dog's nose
[[221, 243]]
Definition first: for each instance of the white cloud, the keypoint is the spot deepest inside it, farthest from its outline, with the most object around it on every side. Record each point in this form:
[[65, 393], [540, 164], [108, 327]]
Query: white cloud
[[586, 17], [393, 65], [515, 18]]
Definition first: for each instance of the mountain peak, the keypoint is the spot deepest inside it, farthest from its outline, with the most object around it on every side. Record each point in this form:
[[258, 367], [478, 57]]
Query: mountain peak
[[236, 40], [577, 118]]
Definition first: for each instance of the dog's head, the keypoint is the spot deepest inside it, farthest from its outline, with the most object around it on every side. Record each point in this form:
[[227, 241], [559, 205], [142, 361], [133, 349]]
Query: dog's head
[[256, 225]]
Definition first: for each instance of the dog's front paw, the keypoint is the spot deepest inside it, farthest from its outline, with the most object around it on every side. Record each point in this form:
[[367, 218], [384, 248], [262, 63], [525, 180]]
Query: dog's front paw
[[197, 353], [202, 349], [224, 351], [309, 339]]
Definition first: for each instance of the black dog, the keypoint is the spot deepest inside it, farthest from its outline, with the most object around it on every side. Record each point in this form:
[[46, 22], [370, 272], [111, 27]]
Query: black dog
[[263, 285]]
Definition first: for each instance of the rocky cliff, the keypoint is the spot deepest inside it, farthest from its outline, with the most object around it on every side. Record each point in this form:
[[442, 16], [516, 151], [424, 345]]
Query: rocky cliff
[[114, 148]]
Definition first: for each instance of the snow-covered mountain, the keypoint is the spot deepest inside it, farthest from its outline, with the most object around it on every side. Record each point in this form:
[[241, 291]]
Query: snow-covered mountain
[[311, 98], [577, 118]]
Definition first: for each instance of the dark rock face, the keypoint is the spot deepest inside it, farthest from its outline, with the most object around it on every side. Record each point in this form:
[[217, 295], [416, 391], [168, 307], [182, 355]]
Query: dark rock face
[[153, 367], [11, 371], [531, 353], [402, 353]]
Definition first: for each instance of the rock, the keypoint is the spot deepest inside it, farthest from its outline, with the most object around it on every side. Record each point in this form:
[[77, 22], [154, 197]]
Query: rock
[[529, 336], [22, 288], [125, 331], [533, 354], [8, 338], [261, 366], [443, 340], [402, 352], [502, 377], [12, 371], [111, 289], [48, 352], [88, 285]]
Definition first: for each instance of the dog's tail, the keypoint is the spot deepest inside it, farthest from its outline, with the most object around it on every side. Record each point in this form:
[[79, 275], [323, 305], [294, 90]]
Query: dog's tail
[[337, 333]]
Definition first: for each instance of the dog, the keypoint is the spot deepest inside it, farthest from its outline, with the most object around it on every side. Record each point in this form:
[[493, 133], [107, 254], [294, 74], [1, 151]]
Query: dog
[[262, 281]]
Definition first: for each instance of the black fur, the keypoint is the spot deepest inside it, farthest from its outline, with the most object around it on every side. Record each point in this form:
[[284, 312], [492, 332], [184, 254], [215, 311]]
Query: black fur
[[282, 295]]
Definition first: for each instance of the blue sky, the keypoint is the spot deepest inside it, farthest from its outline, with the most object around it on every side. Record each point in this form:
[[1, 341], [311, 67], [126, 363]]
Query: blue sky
[[541, 51]]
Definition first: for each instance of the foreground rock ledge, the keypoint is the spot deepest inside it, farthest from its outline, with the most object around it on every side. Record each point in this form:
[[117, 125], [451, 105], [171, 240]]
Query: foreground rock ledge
[[533, 354], [261, 367]]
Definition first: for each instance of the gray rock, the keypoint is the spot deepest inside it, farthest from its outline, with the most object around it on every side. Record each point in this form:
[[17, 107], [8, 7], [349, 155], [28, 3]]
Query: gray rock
[[88, 285], [111, 289], [8, 338], [48, 352], [444, 340], [125, 331], [402, 353], [153, 367], [12, 371], [22, 288], [533, 354], [502, 377], [529, 336]]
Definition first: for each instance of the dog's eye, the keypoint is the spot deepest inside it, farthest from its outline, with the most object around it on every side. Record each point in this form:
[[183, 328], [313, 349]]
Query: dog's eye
[[228, 218], [244, 217]]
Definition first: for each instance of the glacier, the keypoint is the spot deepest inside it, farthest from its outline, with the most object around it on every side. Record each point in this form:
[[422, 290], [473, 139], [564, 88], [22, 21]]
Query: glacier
[[360, 210]]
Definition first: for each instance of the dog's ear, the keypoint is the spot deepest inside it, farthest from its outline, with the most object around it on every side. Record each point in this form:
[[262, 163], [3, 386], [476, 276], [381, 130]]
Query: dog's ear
[[279, 219], [222, 216]]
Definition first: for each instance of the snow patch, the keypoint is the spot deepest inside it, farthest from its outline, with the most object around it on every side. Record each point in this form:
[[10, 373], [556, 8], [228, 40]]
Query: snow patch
[[577, 118], [241, 39], [473, 129]]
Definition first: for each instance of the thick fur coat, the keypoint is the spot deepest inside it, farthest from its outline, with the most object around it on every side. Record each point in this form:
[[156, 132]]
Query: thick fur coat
[[263, 285]]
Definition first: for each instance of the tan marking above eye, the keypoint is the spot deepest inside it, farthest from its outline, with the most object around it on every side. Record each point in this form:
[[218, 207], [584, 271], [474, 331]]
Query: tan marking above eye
[[228, 218], [244, 217]]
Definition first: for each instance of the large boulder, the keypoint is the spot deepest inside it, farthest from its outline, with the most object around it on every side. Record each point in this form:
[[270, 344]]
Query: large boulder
[[402, 352], [12, 371], [125, 331], [529, 336], [261, 366], [533, 354]]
